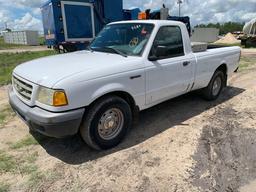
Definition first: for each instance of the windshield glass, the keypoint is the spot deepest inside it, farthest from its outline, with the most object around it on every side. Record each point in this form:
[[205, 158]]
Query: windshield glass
[[124, 39]]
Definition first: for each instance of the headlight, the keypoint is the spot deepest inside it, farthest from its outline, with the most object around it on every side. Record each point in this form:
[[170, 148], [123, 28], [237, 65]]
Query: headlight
[[52, 97]]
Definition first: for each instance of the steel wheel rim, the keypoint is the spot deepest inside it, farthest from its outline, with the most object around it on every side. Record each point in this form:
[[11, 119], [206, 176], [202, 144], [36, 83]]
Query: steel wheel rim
[[110, 124], [216, 86]]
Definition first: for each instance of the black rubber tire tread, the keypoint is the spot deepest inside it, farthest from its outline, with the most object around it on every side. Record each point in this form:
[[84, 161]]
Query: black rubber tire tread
[[88, 129], [207, 92]]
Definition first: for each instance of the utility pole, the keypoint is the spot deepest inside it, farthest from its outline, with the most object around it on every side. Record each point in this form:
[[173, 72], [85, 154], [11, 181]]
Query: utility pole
[[179, 2]]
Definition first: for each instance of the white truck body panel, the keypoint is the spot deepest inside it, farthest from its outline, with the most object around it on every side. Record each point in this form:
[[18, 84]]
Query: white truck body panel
[[86, 76]]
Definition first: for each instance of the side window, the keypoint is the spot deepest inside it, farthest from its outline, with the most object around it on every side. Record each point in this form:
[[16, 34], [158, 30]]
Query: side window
[[169, 41]]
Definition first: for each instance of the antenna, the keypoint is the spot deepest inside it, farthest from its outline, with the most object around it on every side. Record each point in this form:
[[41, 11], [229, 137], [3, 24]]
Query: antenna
[[179, 2]]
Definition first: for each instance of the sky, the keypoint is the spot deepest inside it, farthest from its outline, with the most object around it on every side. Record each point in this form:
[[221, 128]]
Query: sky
[[26, 14]]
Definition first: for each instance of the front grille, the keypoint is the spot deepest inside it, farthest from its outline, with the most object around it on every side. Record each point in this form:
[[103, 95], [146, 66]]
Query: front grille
[[24, 89]]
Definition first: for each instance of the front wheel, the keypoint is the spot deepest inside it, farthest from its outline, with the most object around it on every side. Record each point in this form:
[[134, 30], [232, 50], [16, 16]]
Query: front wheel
[[106, 123], [213, 90]]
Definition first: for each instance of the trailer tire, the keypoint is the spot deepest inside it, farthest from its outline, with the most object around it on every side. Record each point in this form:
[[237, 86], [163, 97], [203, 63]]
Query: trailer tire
[[106, 123]]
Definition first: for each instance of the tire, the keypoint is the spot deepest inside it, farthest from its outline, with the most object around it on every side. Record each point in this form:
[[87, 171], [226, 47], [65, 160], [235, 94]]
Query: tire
[[215, 87], [106, 123]]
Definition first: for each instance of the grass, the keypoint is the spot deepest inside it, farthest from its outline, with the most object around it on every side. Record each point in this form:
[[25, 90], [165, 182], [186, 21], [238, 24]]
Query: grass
[[24, 165], [28, 169], [41, 40], [27, 141], [247, 62], [8, 61], [31, 158], [5, 113], [4, 187], [38, 178], [7, 162], [35, 178], [4, 45]]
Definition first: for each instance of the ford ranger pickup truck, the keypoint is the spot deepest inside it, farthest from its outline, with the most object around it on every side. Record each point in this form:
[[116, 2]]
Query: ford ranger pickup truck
[[129, 67]]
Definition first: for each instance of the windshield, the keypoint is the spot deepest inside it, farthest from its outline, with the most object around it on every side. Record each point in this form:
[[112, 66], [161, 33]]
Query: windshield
[[127, 39]]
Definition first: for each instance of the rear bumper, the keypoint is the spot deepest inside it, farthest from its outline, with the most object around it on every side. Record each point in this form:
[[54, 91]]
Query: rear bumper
[[47, 123]]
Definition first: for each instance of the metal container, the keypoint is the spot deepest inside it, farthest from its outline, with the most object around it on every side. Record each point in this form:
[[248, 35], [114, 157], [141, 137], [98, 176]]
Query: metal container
[[21, 37], [207, 35], [71, 23], [164, 13], [199, 47]]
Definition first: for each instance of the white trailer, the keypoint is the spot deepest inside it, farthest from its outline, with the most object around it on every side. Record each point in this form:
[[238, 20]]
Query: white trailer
[[250, 28], [22, 37]]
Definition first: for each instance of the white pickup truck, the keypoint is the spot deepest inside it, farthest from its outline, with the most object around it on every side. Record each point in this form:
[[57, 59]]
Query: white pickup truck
[[129, 67]]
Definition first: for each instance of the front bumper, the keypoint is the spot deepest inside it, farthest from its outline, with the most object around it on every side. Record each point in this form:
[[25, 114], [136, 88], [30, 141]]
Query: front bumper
[[47, 123]]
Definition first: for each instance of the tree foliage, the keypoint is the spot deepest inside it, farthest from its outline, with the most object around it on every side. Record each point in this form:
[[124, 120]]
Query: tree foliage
[[224, 27]]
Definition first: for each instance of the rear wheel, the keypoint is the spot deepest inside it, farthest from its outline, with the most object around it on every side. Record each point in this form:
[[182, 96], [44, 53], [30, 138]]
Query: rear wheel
[[213, 90], [106, 123]]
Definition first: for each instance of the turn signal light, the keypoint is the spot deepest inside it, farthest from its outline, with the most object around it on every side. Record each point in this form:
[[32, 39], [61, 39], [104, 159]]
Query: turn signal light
[[59, 99]]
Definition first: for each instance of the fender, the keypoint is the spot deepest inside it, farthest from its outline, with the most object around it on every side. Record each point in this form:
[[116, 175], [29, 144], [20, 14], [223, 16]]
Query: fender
[[109, 88]]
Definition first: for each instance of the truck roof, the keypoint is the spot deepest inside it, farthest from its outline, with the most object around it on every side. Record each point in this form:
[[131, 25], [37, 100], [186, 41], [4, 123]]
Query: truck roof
[[155, 22]]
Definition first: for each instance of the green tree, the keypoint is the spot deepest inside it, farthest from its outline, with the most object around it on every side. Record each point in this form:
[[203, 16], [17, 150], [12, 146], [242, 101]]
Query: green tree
[[224, 27]]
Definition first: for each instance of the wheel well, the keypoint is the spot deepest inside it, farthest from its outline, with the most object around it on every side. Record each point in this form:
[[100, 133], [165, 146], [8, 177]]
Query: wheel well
[[124, 95], [223, 68]]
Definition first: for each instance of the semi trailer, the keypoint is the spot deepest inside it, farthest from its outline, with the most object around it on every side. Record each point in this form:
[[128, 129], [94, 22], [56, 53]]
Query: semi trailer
[[70, 25]]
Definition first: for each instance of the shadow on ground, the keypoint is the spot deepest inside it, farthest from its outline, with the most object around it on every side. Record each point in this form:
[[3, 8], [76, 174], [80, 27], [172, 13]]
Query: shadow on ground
[[226, 155], [152, 122]]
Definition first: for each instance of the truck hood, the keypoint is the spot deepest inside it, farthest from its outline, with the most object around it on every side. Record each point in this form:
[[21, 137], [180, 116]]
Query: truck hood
[[50, 70]]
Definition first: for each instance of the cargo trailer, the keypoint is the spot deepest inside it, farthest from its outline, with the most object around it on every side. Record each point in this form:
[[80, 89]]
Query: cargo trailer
[[70, 25]]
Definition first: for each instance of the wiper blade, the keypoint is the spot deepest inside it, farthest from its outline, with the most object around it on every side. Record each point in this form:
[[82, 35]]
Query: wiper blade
[[116, 51], [90, 49]]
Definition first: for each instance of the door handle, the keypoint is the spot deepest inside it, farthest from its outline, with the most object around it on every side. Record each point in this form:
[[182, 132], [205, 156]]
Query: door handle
[[135, 77], [186, 63]]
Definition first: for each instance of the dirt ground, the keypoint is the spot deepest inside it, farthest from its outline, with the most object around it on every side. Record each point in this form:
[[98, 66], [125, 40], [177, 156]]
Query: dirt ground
[[25, 49], [185, 144]]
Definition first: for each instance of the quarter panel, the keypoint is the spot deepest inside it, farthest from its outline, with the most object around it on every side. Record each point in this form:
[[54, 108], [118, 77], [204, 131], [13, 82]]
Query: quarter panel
[[210, 60]]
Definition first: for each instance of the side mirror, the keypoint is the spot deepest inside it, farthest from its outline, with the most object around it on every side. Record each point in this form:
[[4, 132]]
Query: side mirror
[[161, 51]]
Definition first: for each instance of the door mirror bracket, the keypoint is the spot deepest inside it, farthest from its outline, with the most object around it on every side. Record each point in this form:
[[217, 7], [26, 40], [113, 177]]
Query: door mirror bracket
[[160, 52]]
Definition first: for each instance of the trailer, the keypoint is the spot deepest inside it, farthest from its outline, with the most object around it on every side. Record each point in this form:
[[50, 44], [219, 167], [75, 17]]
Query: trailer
[[70, 25], [248, 39]]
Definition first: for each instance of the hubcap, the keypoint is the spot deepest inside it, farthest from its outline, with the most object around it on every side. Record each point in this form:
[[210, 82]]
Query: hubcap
[[216, 86], [110, 124]]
